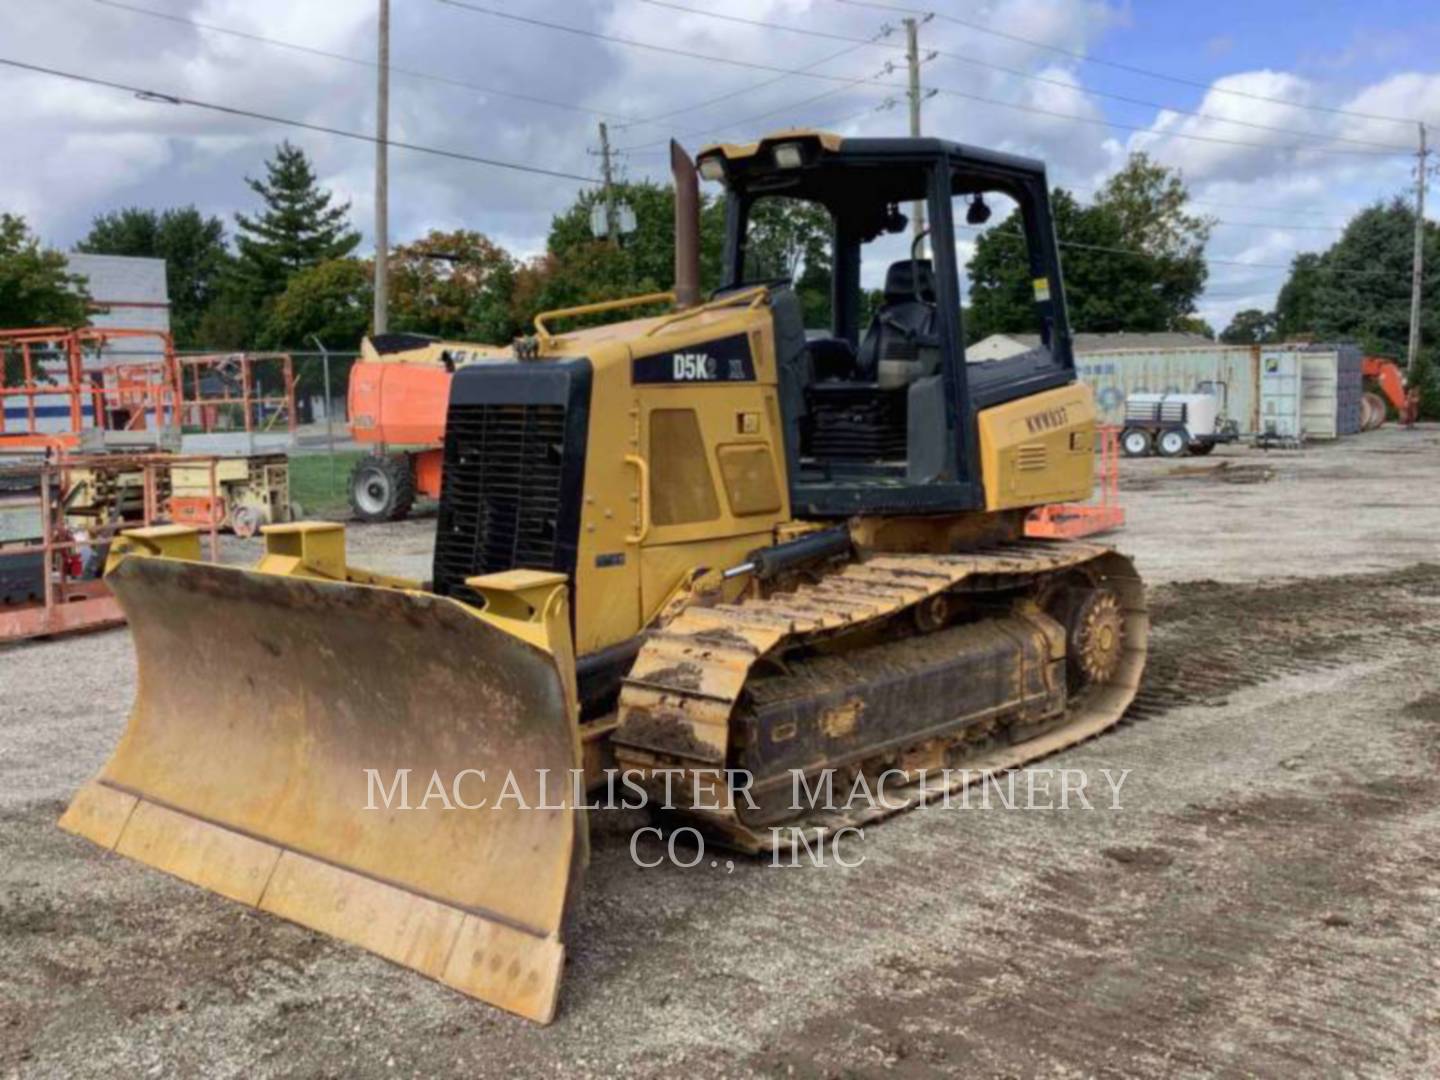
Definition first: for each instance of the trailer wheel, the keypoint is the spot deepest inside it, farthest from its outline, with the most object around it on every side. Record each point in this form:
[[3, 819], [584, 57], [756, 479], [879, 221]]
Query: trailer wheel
[[1135, 442], [382, 488], [245, 522], [1172, 443]]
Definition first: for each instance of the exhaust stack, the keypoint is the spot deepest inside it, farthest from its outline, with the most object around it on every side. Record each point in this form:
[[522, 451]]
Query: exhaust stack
[[687, 227]]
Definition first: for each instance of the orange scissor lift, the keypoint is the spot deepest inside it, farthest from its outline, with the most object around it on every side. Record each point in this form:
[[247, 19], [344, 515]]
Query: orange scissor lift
[[1071, 520]]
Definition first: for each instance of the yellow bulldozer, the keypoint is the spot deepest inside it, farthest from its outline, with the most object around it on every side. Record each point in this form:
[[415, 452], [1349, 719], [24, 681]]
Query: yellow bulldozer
[[706, 543]]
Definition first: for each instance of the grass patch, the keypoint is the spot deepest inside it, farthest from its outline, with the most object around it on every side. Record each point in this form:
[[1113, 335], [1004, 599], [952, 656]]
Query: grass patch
[[311, 486]]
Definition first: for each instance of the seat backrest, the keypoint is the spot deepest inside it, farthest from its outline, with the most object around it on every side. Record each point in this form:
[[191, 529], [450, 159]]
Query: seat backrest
[[907, 314]]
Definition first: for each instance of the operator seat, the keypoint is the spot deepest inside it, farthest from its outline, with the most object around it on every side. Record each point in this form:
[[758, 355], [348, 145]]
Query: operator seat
[[903, 325]]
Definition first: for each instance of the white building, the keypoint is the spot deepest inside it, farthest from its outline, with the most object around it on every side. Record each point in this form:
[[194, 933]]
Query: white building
[[126, 293]]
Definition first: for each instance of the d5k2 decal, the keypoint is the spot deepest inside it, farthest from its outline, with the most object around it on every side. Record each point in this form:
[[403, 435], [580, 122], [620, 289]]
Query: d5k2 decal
[[723, 360]]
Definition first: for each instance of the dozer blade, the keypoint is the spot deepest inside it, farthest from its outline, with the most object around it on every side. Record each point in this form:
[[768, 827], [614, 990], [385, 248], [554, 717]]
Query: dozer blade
[[263, 702]]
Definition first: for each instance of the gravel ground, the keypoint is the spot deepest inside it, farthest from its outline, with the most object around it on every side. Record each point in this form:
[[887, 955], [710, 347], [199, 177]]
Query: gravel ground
[[1264, 902]]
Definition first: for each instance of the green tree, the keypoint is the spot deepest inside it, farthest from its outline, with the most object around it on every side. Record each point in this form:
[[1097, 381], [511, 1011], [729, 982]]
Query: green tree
[[1106, 288], [1359, 289], [332, 300], [232, 321], [649, 251], [790, 238], [1296, 308], [1193, 324], [1150, 202], [192, 245], [1133, 261], [36, 286], [452, 285], [1250, 327], [297, 229]]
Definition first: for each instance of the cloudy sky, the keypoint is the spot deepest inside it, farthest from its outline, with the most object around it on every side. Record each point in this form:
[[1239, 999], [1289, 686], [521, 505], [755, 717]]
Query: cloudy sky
[[1075, 82]]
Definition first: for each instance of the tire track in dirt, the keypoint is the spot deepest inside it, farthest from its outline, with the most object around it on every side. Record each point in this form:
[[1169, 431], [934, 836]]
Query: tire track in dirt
[[1263, 932], [1210, 640]]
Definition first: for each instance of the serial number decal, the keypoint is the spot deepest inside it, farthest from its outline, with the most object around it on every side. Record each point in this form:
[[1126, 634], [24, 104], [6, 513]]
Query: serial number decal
[[1048, 420], [723, 360]]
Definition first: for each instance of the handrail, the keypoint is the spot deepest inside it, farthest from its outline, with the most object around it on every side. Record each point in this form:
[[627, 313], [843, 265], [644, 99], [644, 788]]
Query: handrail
[[753, 296], [546, 337], [642, 510]]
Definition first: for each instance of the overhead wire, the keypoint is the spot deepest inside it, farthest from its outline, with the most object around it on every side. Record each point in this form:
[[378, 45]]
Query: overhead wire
[[697, 106], [876, 5], [410, 73], [1032, 76], [949, 91], [1138, 253], [168, 98], [231, 110]]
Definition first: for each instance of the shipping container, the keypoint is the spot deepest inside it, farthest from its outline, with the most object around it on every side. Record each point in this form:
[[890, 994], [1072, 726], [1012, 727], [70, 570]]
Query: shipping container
[[1228, 372], [1319, 394], [1282, 396], [1328, 378]]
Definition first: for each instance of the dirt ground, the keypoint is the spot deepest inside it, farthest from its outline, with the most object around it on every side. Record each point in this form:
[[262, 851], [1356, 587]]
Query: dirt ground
[[1264, 902]]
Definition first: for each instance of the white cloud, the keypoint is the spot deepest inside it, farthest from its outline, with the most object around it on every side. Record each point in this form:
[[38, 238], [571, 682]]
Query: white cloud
[[87, 150]]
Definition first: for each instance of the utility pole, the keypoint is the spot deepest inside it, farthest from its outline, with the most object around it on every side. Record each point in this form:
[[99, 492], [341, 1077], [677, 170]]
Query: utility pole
[[612, 223], [1418, 267], [912, 61], [382, 178]]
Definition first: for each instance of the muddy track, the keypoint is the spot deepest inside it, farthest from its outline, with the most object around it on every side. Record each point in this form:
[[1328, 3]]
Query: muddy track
[[1210, 640]]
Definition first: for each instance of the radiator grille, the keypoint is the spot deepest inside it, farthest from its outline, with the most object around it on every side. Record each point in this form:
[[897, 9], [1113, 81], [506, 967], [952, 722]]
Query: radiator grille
[[503, 493]]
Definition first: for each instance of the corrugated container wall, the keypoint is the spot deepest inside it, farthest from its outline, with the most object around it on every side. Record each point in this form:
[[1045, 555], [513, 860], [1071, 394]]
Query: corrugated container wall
[[1319, 393], [1228, 371], [1350, 388], [1332, 382]]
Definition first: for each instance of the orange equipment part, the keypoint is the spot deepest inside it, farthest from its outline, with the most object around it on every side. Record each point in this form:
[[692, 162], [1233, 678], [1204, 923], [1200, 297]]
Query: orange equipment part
[[1388, 377], [399, 404], [198, 510], [426, 465], [1070, 520]]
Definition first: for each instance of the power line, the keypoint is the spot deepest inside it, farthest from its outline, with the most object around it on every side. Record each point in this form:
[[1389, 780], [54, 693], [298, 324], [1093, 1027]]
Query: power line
[[355, 60], [1021, 73], [1158, 134], [644, 149], [230, 110], [1276, 225], [580, 31], [1012, 234], [758, 66], [758, 86], [1117, 65]]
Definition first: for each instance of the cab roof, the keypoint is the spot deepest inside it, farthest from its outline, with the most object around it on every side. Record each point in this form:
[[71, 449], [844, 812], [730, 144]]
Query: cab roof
[[833, 146], [896, 167]]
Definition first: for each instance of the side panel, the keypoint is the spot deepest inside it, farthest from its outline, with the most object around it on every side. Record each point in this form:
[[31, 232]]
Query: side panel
[[607, 571], [708, 408], [1039, 449]]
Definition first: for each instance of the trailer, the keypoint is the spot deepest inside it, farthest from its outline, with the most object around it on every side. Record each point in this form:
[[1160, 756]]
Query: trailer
[[1173, 425]]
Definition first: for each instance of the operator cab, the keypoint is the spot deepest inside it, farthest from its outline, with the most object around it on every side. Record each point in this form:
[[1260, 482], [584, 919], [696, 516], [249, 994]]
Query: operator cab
[[878, 401]]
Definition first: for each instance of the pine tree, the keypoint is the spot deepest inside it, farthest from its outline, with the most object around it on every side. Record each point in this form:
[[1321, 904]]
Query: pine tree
[[297, 229]]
